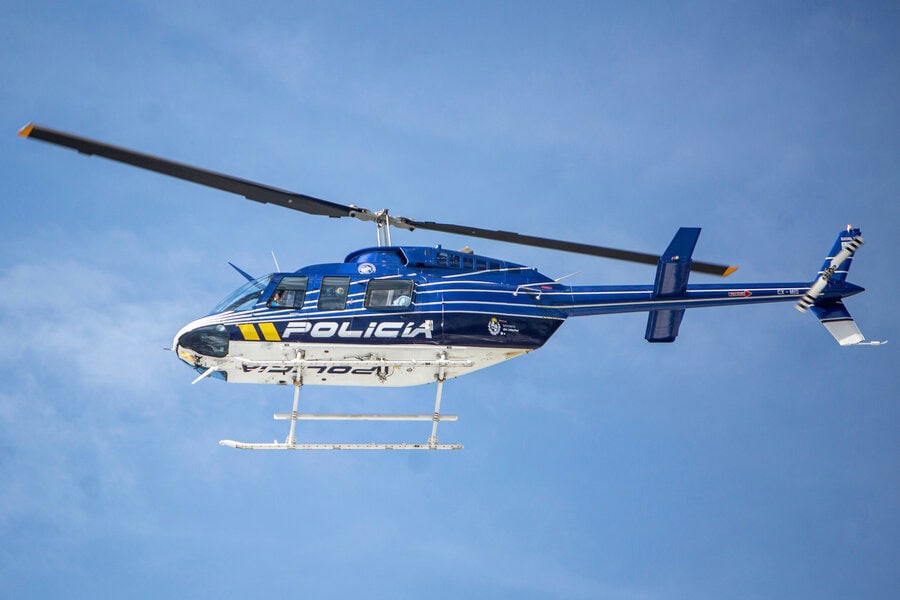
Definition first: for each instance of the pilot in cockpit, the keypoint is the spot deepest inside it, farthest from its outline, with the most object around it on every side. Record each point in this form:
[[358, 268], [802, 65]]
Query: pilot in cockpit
[[401, 301]]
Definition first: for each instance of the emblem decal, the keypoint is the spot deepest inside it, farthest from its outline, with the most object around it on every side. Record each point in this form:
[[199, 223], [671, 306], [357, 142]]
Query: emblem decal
[[494, 326], [366, 269]]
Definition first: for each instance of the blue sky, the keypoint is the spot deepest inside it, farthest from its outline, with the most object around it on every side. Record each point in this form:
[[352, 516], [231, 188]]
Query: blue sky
[[752, 458]]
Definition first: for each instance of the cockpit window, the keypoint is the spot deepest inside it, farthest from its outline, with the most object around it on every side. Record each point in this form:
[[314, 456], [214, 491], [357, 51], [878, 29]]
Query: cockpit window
[[290, 293], [244, 297], [333, 293], [389, 293]]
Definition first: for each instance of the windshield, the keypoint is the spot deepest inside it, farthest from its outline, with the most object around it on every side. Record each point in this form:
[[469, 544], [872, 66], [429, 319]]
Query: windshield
[[244, 297]]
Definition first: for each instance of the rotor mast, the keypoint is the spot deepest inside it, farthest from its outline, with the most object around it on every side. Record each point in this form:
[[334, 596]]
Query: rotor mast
[[383, 224]]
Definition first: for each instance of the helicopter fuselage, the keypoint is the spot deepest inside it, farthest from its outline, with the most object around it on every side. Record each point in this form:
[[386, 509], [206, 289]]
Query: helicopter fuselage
[[373, 320], [384, 312]]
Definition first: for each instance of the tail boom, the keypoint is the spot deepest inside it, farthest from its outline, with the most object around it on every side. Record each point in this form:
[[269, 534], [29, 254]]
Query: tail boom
[[671, 295], [603, 300]]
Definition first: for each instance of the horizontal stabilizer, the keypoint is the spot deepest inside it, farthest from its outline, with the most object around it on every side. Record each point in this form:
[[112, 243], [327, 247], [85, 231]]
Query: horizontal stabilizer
[[837, 320]]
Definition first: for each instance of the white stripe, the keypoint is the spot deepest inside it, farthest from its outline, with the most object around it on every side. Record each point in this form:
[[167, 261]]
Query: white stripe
[[519, 305], [473, 282], [676, 301], [267, 318], [470, 273]]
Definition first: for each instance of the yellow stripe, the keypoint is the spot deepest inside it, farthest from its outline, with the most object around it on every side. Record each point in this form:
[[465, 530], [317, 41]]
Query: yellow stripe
[[26, 131], [269, 332], [249, 332]]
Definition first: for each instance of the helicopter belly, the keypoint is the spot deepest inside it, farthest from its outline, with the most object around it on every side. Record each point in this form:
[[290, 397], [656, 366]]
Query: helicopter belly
[[351, 365]]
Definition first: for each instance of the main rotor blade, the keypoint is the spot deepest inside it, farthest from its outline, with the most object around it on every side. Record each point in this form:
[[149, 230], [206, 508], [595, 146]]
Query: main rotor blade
[[316, 206], [540, 242], [248, 189]]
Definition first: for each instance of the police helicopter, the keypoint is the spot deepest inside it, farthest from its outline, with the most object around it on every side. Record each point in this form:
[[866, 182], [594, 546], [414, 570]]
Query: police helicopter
[[393, 315]]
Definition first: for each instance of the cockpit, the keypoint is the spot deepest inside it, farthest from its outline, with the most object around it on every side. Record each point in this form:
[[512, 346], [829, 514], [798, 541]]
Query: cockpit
[[213, 340], [245, 297]]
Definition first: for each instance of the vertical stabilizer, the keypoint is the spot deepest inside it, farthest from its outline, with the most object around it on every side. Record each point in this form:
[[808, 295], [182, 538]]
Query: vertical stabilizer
[[835, 267], [672, 274]]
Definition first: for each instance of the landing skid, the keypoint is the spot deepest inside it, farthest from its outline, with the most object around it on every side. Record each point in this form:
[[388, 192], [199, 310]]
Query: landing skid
[[290, 443], [277, 446]]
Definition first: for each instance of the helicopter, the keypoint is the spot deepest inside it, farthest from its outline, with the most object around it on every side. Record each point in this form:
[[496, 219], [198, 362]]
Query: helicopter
[[394, 315]]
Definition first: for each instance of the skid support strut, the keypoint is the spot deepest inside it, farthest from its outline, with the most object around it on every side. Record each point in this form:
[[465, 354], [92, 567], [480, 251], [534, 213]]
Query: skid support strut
[[440, 377], [290, 443], [291, 438]]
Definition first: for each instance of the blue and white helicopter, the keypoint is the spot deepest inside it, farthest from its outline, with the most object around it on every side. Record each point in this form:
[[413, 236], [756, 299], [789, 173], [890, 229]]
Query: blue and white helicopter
[[403, 315]]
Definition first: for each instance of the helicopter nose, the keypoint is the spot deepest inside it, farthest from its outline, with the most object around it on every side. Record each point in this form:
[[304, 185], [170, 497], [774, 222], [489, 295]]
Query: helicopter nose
[[208, 340]]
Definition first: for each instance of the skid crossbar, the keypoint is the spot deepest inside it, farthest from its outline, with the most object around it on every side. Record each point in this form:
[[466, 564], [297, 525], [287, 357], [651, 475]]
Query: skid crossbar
[[335, 417]]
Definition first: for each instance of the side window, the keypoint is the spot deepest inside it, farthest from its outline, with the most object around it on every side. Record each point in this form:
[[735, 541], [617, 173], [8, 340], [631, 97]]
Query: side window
[[290, 293], [389, 293], [454, 261], [481, 264], [333, 293]]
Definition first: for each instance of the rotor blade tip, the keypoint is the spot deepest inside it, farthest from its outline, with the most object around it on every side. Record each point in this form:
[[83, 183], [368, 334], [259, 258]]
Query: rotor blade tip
[[730, 270], [26, 131]]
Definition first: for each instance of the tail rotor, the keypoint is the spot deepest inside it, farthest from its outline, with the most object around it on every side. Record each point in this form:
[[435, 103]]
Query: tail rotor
[[834, 268], [825, 296]]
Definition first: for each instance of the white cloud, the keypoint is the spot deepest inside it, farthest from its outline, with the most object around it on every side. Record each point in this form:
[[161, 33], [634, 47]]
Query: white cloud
[[64, 319]]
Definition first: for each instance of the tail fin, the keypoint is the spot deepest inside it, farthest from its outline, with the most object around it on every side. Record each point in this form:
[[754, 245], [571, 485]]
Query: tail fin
[[824, 297], [672, 274], [836, 266], [847, 243]]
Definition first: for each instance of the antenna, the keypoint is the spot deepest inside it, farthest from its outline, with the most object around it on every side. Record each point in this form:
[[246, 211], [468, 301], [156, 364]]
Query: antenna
[[277, 268]]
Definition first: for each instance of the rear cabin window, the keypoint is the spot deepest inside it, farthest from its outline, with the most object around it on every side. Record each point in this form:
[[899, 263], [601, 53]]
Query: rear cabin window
[[333, 293], [290, 293], [389, 293]]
